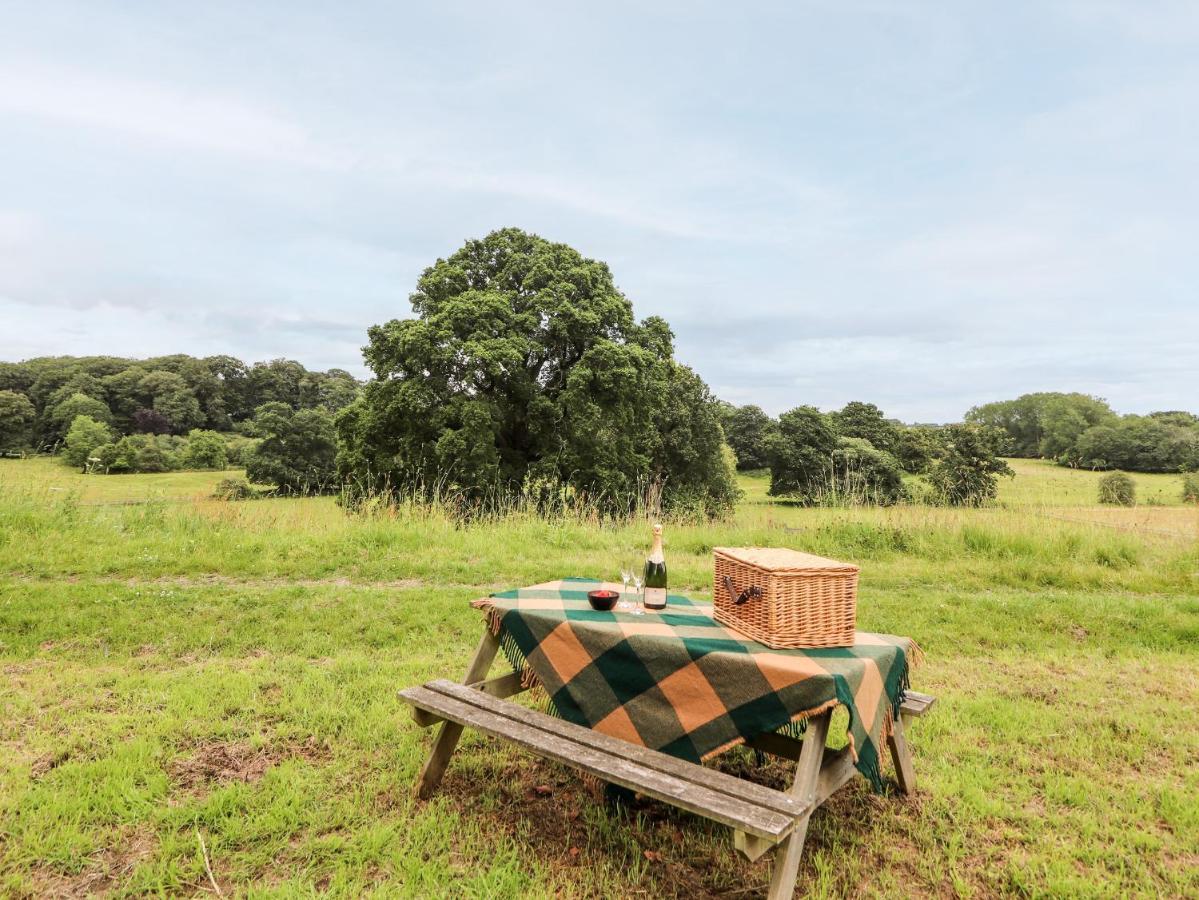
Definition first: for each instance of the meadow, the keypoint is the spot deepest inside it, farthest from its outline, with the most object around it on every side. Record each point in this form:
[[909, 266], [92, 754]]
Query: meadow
[[189, 684]]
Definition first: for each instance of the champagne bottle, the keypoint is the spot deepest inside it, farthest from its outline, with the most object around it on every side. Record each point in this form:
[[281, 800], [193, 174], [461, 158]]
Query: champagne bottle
[[655, 574]]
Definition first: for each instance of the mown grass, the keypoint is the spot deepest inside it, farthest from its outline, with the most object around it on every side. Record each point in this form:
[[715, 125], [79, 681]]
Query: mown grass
[[173, 670], [1040, 482]]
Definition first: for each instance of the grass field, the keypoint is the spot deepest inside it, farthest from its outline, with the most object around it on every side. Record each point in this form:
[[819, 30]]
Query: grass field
[[182, 669]]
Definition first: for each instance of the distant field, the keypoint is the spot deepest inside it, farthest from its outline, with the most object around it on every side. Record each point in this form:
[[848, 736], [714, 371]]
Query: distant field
[[50, 475], [228, 670], [1040, 482]]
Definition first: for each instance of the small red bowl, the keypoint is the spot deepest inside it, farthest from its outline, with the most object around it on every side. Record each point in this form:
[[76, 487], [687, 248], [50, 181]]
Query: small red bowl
[[603, 600]]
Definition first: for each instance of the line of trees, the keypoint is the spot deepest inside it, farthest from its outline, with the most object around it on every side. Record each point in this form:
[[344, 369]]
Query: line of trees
[[857, 454], [1082, 431], [115, 415], [525, 374], [167, 395]]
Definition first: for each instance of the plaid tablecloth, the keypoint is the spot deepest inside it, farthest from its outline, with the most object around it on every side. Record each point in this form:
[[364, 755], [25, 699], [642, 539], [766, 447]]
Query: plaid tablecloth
[[679, 682]]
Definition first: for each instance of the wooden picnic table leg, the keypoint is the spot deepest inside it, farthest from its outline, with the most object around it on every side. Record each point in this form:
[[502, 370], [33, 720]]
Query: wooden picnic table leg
[[905, 774], [807, 775], [449, 732]]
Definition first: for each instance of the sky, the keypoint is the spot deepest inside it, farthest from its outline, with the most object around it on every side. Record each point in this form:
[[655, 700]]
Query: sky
[[922, 205]]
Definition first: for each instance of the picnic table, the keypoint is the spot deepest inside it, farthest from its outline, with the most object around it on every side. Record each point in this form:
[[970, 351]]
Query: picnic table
[[642, 698]]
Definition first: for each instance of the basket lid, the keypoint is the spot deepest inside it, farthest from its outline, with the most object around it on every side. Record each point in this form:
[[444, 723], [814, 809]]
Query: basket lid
[[784, 560]]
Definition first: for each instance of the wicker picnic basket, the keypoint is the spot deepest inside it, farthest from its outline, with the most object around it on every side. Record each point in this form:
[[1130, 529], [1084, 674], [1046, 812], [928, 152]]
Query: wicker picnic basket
[[784, 598]]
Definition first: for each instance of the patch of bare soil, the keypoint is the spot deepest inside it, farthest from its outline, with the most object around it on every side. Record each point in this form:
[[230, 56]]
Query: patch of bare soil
[[542, 805], [47, 762], [222, 762], [104, 870]]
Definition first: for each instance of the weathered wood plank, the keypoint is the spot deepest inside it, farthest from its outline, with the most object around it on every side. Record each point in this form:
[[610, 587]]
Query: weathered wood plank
[[777, 745], [905, 772], [807, 775], [836, 770], [504, 686], [738, 813], [424, 718], [708, 778], [749, 846], [449, 733], [916, 704]]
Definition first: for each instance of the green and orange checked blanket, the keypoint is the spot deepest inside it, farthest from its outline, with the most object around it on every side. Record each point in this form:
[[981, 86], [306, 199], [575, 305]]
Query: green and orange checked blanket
[[677, 681]]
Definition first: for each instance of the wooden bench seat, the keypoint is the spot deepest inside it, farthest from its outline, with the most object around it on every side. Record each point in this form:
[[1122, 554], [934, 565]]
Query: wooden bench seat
[[760, 811]]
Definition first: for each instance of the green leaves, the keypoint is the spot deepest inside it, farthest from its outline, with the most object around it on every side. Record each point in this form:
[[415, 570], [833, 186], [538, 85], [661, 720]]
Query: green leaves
[[525, 364]]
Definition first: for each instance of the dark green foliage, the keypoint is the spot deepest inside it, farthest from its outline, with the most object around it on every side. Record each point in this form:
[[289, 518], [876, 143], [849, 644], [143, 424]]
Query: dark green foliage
[[690, 455], [297, 450], [917, 447], [801, 455], [749, 431], [1117, 488], [150, 421], [1140, 444], [966, 474], [812, 463], [1190, 487], [146, 453], [861, 473], [525, 369], [83, 437], [1079, 430], [237, 448], [179, 392], [173, 399], [77, 404], [1044, 424], [866, 421], [16, 420], [204, 450]]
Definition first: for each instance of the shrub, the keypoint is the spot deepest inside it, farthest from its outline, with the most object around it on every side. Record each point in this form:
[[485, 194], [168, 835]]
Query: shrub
[[297, 452], [233, 489], [1190, 487], [861, 473], [801, 455], [967, 472], [917, 447], [142, 453], [83, 437], [238, 448], [204, 450], [1117, 488]]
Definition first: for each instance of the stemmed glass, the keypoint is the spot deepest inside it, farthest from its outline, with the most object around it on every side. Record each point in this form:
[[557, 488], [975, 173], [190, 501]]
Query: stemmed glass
[[626, 578], [637, 583]]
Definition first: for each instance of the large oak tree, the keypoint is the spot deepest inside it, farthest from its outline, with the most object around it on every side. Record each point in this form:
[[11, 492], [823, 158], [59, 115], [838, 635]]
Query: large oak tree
[[525, 369]]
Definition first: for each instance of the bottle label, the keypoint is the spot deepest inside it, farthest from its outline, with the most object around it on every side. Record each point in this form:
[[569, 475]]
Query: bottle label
[[655, 598]]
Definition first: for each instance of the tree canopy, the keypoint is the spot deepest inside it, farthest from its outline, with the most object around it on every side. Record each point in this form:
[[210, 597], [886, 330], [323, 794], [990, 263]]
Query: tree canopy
[[523, 367], [162, 395], [749, 432], [17, 416], [297, 450], [1081, 430]]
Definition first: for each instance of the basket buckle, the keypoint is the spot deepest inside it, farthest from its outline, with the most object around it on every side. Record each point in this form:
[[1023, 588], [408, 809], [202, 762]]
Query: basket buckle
[[753, 592]]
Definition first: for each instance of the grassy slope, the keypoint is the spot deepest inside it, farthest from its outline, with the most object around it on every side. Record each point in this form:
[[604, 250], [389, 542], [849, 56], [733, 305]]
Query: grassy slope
[[231, 668]]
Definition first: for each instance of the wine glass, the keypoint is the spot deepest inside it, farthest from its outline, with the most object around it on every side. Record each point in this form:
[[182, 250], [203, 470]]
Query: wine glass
[[638, 581], [626, 578]]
